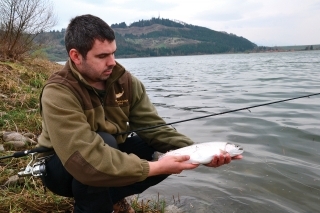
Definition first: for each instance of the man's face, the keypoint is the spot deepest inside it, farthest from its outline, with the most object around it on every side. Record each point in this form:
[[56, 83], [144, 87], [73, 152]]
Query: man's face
[[98, 65]]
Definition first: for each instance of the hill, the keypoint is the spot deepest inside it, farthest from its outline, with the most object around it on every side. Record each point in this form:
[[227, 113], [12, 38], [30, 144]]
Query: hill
[[158, 37]]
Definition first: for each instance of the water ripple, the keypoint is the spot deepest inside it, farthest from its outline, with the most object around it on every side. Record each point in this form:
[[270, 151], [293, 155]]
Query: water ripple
[[280, 171]]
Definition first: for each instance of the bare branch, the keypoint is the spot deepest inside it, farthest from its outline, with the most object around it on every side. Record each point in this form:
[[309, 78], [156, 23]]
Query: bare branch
[[20, 22]]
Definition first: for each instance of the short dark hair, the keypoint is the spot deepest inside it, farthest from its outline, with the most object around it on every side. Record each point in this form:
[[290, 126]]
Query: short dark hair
[[83, 30]]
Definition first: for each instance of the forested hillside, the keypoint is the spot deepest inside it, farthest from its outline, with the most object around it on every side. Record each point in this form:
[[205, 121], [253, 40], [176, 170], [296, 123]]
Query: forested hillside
[[159, 37]]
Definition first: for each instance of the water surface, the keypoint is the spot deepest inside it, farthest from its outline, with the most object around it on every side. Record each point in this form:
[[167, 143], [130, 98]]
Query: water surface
[[280, 171]]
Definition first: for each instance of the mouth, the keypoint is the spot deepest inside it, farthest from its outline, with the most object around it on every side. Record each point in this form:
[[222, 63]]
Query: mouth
[[108, 72]]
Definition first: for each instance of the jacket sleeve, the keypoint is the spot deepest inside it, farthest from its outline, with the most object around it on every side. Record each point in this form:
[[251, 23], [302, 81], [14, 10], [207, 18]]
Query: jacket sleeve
[[144, 114], [82, 151]]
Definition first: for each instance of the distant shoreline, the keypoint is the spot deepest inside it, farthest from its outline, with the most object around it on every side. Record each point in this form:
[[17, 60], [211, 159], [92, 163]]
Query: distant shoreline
[[248, 52]]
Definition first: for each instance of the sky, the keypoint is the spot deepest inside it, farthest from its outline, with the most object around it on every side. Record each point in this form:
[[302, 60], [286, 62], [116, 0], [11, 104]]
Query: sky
[[263, 22]]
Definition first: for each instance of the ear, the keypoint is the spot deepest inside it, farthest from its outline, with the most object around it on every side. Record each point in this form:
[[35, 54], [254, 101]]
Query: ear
[[75, 56]]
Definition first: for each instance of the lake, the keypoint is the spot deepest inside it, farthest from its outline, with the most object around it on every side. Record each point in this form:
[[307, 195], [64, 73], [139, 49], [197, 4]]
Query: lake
[[280, 171]]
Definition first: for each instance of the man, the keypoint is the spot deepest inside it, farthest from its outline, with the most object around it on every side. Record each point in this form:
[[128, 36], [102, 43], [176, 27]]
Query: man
[[84, 108]]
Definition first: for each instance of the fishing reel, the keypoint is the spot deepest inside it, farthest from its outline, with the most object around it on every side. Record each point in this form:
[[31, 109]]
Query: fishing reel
[[36, 167]]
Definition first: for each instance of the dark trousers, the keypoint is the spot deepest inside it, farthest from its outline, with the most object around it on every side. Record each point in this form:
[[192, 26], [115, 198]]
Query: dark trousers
[[98, 199]]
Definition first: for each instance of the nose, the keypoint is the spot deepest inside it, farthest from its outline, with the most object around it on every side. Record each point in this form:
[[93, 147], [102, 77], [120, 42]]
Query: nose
[[111, 60]]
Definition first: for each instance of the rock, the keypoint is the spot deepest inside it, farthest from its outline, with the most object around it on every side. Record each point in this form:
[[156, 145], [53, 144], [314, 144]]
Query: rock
[[29, 135], [172, 209], [15, 144], [12, 136], [18, 140], [3, 96], [1, 148], [14, 180]]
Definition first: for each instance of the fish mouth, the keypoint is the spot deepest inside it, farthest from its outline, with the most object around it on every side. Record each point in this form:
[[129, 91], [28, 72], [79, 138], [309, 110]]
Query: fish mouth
[[238, 147], [235, 150]]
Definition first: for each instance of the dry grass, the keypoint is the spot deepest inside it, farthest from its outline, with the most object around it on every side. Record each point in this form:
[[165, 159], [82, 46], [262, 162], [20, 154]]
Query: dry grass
[[147, 206], [30, 197], [28, 194], [20, 87]]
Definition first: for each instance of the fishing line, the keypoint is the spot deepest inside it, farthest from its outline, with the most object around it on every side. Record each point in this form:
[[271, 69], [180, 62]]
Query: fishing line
[[215, 114], [43, 149]]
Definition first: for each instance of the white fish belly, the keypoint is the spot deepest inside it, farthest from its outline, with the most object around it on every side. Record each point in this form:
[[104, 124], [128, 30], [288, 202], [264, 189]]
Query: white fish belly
[[199, 153]]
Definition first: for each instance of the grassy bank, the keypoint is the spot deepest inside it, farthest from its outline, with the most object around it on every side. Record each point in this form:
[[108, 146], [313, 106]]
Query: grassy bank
[[20, 86]]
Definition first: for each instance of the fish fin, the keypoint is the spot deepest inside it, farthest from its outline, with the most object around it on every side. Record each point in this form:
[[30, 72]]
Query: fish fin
[[223, 151], [157, 155]]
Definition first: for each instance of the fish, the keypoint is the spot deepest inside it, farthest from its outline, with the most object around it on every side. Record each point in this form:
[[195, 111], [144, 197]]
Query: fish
[[203, 153]]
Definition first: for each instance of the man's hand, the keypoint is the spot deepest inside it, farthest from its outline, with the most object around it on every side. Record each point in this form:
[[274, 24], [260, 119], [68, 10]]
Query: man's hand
[[170, 165], [222, 159]]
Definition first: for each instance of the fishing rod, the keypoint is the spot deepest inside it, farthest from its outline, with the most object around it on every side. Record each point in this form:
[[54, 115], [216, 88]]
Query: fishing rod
[[36, 167], [214, 114], [19, 154], [45, 149]]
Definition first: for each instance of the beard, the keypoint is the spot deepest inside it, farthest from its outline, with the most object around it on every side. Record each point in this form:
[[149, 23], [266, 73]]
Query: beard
[[91, 74]]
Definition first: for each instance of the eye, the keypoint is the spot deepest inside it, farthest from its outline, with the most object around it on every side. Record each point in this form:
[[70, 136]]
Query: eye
[[101, 56]]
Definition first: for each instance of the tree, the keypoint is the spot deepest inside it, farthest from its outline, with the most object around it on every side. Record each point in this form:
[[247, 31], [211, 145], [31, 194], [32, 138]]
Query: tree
[[21, 21]]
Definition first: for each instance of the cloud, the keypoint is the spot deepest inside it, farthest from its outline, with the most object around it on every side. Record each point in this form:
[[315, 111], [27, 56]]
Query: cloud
[[227, 11], [145, 6], [111, 11], [263, 22]]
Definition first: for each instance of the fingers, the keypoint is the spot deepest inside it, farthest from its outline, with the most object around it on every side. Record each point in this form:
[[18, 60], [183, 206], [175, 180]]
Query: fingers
[[227, 159], [175, 164], [238, 157], [215, 162], [185, 166], [182, 158], [219, 160]]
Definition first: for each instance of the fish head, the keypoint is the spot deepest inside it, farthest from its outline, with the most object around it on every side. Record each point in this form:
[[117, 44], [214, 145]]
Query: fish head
[[233, 149]]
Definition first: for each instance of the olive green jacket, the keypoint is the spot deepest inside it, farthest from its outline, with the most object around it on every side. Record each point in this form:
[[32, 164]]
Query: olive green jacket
[[72, 113]]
